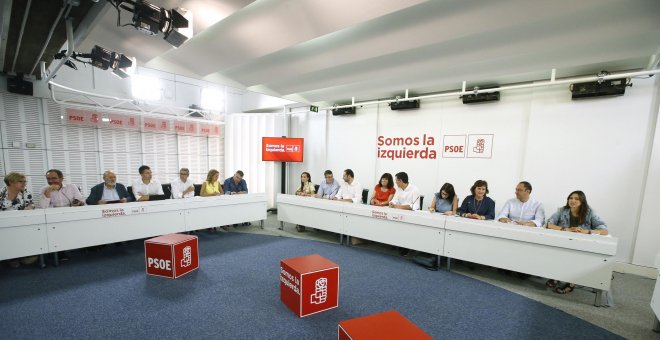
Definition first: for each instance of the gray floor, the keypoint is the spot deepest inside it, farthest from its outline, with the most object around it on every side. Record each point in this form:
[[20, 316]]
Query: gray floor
[[630, 316]]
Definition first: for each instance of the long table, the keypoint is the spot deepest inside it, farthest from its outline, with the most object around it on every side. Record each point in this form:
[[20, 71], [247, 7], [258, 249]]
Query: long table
[[35, 232], [577, 258]]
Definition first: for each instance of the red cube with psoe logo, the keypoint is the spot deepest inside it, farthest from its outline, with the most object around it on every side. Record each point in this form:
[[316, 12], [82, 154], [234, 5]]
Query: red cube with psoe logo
[[309, 284], [171, 255], [386, 325]]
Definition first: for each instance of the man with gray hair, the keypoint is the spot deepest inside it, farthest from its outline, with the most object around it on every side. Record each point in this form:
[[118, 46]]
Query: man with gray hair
[[182, 186], [109, 191]]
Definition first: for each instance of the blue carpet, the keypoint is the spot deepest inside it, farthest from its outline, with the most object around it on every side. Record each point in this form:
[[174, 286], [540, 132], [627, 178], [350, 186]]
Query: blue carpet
[[235, 294]]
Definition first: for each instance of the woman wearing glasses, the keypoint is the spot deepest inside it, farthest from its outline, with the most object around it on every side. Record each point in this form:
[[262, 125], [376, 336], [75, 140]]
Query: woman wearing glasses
[[14, 196]]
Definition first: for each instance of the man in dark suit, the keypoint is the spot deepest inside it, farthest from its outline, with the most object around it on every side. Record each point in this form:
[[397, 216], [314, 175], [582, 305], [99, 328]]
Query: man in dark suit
[[108, 191]]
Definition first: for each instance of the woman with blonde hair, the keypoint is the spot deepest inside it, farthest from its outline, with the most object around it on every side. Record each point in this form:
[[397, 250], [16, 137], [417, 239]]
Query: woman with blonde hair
[[211, 187], [16, 197]]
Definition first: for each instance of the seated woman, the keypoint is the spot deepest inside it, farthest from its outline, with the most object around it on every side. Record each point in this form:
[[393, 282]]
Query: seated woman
[[306, 188], [478, 205], [384, 191], [577, 217], [16, 197], [211, 187], [445, 201]]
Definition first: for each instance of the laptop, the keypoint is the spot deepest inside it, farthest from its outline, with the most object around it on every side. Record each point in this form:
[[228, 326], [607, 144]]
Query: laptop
[[157, 197]]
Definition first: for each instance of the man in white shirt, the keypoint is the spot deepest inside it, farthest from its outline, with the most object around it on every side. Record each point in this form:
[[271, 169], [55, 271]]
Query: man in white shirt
[[524, 209], [407, 195], [351, 190], [58, 194], [182, 187], [145, 186]]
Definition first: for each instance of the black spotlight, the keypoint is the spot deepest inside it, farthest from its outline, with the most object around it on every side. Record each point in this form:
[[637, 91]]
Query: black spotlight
[[151, 19]]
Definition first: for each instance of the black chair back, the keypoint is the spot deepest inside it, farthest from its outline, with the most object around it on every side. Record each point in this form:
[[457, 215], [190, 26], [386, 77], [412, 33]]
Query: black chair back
[[421, 202], [198, 189], [167, 190], [316, 188], [365, 196], [131, 197]]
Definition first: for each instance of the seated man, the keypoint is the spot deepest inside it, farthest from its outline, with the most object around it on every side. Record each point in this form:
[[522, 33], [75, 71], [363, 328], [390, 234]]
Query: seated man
[[407, 195], [328, 188], [524, 209], [59, 194], [145, 186], [108, 191], [236, 184], [182, 186], [351, 190], [406, 198]]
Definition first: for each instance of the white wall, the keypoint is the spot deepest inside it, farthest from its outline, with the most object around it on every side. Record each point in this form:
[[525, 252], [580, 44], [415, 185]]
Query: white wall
[[601, 146], [647, 243]]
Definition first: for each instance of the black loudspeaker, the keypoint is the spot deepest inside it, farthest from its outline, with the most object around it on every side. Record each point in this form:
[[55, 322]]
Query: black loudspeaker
[[343, 111], [404, 105], [606, 88], [18, 85], [481, 97]]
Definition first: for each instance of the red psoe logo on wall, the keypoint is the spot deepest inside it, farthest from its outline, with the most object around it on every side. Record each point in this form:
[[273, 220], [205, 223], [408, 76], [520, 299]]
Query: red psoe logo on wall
[[480, 146]]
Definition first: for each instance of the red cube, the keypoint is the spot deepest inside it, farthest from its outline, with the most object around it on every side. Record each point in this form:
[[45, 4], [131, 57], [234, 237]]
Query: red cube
[[309, 284], [171, 255], [386, 325]]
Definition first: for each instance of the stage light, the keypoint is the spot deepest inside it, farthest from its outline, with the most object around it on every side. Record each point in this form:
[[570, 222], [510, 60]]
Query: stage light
[[145, 87], [212, 99], [151, 19], [121, 65]]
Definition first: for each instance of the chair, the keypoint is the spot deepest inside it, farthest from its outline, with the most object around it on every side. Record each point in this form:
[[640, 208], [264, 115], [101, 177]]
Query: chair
[[167, 190], [316, 188], [421, 202], [365, 196], [198, 189], [131, 197]]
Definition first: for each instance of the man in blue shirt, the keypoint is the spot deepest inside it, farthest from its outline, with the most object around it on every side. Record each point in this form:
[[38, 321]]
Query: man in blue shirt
[[235, 185], [328, 188]]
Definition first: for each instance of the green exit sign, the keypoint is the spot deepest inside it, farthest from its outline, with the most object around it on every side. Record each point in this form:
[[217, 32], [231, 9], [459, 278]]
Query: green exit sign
[[314, 108]]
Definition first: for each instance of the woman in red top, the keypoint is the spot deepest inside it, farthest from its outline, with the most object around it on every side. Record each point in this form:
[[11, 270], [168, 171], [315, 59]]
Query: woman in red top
[[384, 191]]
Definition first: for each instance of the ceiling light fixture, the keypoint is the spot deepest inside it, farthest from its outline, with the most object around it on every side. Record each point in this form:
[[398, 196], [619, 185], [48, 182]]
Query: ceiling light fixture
[[121, 65], [151, 19]]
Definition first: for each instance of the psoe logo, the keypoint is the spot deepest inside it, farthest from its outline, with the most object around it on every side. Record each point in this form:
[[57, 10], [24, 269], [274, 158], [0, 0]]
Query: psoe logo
[[321, 291], [187, 257]]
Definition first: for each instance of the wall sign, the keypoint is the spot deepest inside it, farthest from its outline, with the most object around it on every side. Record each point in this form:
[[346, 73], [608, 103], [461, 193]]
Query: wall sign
[[407, 147], [82, 117], [454, 146], [480, 146]]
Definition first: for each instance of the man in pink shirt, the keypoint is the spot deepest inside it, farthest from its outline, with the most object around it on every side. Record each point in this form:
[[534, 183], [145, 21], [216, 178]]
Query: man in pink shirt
[[58, 194]]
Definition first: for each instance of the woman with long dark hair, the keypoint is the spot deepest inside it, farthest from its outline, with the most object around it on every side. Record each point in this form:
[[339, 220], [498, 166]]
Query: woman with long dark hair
[[445, 201], [577, 217], [383, 191], [306, 187]]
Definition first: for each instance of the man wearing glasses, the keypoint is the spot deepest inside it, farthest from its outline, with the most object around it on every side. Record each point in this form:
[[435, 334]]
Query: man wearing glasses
[[328, 188], [59, 194], [182, 186]]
